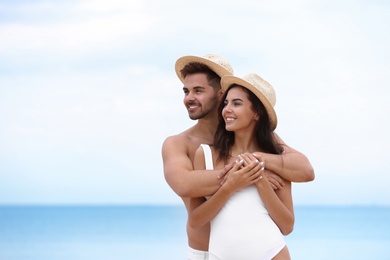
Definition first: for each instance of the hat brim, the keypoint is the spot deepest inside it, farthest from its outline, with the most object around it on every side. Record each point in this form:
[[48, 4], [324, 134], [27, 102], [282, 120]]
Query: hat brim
[[229, 80], [183, 61]]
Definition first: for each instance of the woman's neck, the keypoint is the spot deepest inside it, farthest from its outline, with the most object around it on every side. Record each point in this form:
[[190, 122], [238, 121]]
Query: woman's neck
[[243, 143]]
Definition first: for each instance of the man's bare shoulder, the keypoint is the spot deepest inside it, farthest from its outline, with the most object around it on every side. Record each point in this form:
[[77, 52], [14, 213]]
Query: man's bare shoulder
[[179, 141], [178, 138], [184, 143]]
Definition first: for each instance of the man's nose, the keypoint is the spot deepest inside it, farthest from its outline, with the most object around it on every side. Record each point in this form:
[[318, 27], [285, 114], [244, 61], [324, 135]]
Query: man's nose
[[190, 96]]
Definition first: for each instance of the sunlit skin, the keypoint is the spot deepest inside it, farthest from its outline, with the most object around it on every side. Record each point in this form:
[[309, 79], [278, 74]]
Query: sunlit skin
[[238, 114], [240, 118], [178, 152], [200, 99]]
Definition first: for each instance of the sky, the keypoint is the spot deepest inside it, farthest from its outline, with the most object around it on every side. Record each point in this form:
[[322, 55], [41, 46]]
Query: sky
[[88, 93]]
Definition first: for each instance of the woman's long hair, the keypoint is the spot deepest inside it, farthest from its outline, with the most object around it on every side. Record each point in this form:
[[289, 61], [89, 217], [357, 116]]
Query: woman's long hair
[[263, 136]]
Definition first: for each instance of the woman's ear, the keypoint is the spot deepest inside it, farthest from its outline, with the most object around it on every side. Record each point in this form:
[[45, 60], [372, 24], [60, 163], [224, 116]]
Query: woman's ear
[[257, 117]]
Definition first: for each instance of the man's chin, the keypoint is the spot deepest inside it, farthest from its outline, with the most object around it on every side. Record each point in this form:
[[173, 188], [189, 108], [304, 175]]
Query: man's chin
[[194, 116]]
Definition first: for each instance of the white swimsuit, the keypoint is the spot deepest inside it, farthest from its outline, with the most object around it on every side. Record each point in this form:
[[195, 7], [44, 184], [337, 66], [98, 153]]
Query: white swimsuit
[[243, 229]]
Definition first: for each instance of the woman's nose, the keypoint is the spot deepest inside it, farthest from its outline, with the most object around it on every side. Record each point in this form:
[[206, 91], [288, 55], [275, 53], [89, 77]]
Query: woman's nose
[[227, 108]]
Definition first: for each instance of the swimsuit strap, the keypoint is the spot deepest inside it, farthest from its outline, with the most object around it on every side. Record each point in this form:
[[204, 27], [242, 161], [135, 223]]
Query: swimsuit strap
[[208, 157]]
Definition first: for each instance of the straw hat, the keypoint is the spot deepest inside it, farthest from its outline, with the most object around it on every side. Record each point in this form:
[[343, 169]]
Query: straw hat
[[261, 88], [215, 62]]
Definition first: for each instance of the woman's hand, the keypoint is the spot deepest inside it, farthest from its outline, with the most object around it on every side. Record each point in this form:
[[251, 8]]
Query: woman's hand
[[247, 170]]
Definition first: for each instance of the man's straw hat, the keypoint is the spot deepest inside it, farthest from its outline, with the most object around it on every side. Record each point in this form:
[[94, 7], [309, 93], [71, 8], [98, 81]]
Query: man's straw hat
[[261, 88], [215, 62]]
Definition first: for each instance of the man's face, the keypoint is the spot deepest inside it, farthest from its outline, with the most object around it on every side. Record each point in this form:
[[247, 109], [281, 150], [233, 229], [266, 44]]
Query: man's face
[[199, 97]]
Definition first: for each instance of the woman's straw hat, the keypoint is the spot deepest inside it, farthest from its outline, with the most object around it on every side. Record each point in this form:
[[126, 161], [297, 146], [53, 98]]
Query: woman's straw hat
[[215, 62], [261, 88]]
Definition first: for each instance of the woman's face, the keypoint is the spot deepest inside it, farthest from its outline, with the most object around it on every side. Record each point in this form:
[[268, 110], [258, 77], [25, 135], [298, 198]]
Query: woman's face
[[237, 111]]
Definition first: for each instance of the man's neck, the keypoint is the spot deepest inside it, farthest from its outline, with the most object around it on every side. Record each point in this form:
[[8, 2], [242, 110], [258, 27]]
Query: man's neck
[[205, 129]]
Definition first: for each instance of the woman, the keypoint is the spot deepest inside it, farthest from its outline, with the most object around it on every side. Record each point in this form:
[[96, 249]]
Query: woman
[[247, 221]]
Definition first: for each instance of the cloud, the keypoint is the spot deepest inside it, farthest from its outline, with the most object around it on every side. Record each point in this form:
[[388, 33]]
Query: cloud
[[88, 92], [82, 29]]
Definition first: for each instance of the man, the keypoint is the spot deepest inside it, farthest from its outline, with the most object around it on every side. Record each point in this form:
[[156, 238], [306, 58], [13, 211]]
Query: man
[[202, 93]]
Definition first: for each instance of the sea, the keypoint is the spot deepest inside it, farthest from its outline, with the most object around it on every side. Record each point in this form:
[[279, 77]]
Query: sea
[[157, 232]]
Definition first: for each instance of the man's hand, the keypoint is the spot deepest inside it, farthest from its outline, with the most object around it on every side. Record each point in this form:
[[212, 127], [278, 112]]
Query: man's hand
[[247, 165], [275, 180], [243, 174], [225, 172]]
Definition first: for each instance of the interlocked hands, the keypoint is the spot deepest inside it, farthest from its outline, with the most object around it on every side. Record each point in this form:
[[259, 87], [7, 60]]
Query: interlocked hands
[[249, 169]]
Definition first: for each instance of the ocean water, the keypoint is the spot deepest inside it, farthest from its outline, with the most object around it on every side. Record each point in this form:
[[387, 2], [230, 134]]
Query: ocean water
[[158, 233]]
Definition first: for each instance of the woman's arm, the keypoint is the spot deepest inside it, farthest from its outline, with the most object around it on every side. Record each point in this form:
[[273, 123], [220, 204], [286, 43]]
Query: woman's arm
[[279, 203], [203, 211]]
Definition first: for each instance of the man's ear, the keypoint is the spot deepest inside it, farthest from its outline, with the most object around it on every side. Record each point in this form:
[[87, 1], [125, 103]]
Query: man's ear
[[220, 94]]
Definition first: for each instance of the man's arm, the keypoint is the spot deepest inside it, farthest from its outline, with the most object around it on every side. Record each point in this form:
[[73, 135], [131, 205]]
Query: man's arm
[[179, 173], [292, 165], [202, 211]]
